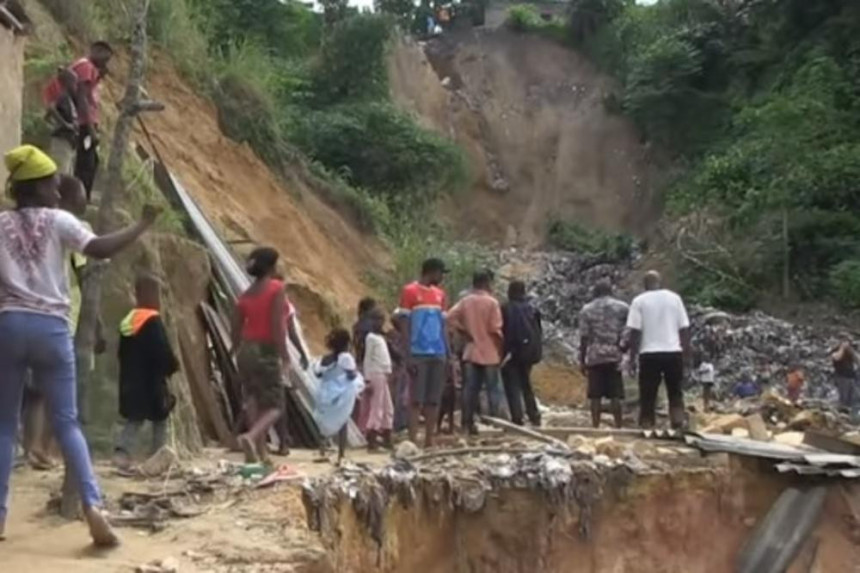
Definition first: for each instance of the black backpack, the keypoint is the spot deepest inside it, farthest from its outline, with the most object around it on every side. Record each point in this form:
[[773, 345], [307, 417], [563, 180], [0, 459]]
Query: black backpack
[[525, 334]]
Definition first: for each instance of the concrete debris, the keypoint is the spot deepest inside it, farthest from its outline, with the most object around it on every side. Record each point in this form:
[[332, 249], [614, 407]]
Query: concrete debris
[[725, 424], [757, 428], [789, 438]]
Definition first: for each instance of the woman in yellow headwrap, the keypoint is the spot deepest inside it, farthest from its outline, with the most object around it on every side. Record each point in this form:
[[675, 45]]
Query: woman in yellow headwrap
[[35, 238]]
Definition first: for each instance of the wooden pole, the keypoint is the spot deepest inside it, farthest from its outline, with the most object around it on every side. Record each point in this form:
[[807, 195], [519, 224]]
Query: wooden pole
[[93, 275], [509, 427]]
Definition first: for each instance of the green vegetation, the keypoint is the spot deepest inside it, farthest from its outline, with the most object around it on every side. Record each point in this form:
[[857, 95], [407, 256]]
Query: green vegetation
[[758, 102], [526, 18], [570, 236], [307, 91], [411, 248]]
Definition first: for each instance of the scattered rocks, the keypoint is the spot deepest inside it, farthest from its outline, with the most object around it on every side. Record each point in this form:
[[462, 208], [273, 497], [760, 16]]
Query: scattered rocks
[[406, 449], [789, 438], [757, 428], [725, 424], [740, 433], [166, 565]]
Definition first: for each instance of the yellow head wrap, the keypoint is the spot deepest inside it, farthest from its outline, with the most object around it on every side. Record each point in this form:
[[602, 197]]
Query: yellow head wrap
[[27, 162]]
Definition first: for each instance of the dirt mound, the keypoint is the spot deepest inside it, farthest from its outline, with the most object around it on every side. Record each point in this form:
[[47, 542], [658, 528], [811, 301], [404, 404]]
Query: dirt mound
[[532, 119], [322, 253]]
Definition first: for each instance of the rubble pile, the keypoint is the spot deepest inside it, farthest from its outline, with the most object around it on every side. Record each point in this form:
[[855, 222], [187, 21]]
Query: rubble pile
[[755, 345], [764, 349]]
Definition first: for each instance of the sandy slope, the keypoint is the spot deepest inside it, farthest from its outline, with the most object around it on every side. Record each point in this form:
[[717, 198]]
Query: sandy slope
[[530, 114], [322, 253]]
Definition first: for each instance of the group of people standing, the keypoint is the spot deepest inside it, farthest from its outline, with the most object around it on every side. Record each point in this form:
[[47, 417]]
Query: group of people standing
[[653, 333], [413, 371]]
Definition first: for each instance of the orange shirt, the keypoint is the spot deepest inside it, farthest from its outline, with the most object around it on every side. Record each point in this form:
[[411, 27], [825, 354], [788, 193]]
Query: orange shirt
[[480, 316], [794, 382]]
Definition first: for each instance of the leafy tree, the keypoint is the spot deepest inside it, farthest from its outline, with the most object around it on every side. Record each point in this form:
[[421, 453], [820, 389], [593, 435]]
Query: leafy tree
[[403, 11], [351, 65], [588, 16]]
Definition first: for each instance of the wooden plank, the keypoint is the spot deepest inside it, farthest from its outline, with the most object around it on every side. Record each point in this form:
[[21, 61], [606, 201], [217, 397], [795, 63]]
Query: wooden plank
[[830, 443], [509, 427], [211, 405], [564, 432]]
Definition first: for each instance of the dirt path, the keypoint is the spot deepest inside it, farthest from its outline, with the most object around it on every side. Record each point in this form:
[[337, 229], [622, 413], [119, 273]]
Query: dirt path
[[254, 530]]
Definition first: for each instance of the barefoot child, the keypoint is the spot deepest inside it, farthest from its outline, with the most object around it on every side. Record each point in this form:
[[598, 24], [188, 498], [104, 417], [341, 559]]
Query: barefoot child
[[377, 371], [340, 383]]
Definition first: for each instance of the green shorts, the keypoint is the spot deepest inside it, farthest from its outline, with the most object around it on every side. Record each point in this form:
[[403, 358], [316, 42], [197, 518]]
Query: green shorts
[[260, 373]]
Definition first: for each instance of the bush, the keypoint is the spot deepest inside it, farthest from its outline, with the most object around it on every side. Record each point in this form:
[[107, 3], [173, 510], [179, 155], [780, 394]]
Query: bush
[[845, 283], [377, 147], [523, 18], [569, 236], [352, 61], [172, 27], [412, 244]]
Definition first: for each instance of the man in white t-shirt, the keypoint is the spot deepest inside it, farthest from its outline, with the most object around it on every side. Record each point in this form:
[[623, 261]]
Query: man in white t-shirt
[[659, 336]]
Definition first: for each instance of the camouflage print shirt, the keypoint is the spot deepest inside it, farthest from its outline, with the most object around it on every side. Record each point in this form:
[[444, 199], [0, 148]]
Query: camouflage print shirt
[[602, 322]]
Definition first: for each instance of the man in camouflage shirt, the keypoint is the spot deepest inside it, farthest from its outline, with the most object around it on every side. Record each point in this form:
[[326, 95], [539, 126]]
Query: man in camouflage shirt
[[601, 326]]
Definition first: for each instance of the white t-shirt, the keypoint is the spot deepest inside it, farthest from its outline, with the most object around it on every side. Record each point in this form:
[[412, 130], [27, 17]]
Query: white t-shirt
[[377, 360], [346, 362], [705, 373], [35, 246], [658, 315]]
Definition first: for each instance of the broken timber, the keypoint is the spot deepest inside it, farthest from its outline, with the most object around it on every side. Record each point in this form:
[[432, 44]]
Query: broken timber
[[509, 427]]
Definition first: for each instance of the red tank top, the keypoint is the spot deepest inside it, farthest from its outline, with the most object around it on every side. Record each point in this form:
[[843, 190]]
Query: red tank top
[[256, 312]]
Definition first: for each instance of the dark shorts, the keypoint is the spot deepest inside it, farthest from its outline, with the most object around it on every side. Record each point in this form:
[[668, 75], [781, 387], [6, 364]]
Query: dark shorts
[[429, 381], [260, 373], [605, 381]]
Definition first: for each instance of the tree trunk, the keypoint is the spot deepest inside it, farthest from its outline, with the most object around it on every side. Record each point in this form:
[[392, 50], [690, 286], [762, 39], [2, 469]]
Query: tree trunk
[[91, 283]]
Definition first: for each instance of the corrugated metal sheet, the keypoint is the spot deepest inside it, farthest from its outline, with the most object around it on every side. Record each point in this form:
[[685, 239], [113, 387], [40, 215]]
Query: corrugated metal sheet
[[802, 460], [778, 538], [233, 276], [747, 447]]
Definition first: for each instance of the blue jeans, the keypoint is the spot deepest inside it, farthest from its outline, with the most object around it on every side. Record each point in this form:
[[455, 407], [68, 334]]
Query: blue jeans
[[43, 345], [475, 377]]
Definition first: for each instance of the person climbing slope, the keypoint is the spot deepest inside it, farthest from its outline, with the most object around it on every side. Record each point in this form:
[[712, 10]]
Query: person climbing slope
[[62, 116], [35, 336], [260, 346], [146, 361]]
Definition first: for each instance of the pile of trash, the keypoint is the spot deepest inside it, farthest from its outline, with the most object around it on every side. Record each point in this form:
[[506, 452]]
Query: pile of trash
[[752, 346], [459, 483], [764, 349]]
